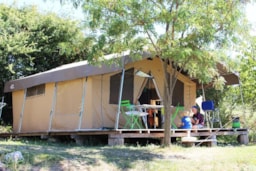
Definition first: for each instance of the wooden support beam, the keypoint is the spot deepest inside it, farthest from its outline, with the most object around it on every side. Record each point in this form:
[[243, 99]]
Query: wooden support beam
[[192, 142], [78, 139], [132, 135], [243, 139], [114, 140], [117, 137]]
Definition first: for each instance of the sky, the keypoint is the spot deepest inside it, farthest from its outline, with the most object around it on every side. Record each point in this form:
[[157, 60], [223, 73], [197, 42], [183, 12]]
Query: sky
[[68, 11], [65, 10], [251, 15]]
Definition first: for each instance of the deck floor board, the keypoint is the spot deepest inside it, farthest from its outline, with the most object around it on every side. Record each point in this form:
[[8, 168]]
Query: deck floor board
[[134, 133]]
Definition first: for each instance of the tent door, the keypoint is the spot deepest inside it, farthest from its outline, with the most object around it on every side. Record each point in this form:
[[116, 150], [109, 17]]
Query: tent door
[[150, 95], [149, 92]]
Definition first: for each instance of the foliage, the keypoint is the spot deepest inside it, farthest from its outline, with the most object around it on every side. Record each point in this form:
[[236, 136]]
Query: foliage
[[31, 42], [240, 100], [248, 74], [5, 129], [185, 34], [229, 103]]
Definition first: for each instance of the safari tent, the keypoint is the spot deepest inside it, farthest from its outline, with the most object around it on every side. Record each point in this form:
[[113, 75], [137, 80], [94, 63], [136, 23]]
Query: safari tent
[[80, 96]]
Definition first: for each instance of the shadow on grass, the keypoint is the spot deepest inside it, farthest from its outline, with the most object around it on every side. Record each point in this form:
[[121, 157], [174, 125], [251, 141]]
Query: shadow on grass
[[125, 158], [51, 156], [65, 157]]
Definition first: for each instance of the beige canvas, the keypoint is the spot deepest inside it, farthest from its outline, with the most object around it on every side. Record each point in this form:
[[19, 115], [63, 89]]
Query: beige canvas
[[36, 111], [84, 103]]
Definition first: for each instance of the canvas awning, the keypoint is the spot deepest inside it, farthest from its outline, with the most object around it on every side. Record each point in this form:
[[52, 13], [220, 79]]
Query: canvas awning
[[231, 78]]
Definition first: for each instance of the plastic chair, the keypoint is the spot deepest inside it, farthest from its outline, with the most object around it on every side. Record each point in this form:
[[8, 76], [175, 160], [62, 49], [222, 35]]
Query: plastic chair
[[132, 120], [212, 114], [174, 115], [177, 110]]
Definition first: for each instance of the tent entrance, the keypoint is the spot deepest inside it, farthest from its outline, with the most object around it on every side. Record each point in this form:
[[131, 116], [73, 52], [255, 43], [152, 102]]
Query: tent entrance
[[150, 95], [149, 92]]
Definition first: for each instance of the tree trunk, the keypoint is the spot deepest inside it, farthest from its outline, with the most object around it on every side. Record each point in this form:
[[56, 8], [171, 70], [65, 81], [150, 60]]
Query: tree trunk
[[167, 104], [167, 122]]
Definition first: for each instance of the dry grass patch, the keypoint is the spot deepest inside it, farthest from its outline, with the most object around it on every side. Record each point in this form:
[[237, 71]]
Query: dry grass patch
[[43, 156]]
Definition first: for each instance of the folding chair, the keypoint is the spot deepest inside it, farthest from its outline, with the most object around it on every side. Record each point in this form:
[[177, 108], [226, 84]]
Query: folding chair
[[174, 115], [177, 110], [132, 119], [212, 114]]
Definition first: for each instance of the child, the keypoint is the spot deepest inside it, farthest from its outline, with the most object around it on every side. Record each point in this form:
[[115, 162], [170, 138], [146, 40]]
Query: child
[[186, 121]]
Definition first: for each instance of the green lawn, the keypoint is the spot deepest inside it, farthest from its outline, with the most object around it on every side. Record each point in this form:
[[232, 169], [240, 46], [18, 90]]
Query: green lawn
[[55, 156]]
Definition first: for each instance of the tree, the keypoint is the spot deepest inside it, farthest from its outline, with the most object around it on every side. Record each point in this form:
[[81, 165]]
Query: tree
[[243, 97], [185, 34], [31, 42], [248, 74]]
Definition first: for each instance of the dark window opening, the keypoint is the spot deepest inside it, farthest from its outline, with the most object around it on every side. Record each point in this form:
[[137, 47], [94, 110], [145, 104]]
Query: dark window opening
[[127, 88], [36, 90], [149, 93], [178, 94]]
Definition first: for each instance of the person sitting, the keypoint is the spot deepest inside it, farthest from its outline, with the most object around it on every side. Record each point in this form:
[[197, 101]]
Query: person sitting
[[186, 121], [197, 119]]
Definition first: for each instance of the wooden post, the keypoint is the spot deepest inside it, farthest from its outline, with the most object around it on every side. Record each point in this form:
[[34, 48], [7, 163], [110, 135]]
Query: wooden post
[[114, 139], [243, 139], [214, 141], [80, 140]]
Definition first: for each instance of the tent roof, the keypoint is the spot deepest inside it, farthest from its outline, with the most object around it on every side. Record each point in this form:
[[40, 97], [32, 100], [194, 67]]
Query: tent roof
[[83, 69], [70, 72], [62, 73], [231, 78]]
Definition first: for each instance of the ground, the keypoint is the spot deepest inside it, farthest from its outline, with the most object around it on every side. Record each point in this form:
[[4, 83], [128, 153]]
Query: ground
[[42, 156]]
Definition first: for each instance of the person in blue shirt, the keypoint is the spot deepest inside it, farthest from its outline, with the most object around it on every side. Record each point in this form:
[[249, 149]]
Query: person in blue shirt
[[186, 121]]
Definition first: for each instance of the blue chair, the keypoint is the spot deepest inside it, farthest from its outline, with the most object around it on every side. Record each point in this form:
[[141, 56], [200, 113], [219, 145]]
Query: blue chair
[[212, 114]]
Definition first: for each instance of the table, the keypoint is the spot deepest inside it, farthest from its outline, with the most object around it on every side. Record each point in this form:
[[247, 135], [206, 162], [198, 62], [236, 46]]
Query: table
[[145, 107], [149, 106], [136, 115]]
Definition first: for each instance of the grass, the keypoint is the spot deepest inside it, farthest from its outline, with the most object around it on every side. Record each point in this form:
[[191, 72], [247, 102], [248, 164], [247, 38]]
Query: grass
[[5, 129], [58, 156]]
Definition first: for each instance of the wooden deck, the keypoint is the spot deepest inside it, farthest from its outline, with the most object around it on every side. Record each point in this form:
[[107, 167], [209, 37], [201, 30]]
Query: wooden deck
[[116, 137], [159, 133]]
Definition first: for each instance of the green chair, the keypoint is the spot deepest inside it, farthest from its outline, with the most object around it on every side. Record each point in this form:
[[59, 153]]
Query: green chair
[[132, 119], [174, 115]]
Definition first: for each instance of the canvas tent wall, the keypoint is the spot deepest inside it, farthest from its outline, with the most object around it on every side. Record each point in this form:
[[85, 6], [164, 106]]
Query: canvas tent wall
[[78, 96]]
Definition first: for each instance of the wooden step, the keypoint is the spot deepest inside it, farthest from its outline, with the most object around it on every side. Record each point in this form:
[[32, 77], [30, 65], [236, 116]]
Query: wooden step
[[192, 141]]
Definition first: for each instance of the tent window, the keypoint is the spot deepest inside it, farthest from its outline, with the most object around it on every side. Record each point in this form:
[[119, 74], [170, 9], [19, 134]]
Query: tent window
[[127, 89], [36, 90], [178, 94]]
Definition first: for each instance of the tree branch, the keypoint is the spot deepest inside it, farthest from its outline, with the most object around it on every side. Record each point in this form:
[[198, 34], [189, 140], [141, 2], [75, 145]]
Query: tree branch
[[176, 72], [153, 43], [167, 23]]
